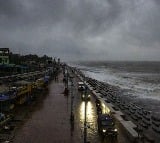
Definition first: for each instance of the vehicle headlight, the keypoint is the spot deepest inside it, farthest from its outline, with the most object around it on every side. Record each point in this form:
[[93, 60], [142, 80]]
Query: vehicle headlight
[[115, 130], [104, 130]]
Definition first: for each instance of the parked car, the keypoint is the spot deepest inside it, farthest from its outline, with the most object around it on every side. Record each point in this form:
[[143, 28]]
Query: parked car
[[81, 86], [106, 125]]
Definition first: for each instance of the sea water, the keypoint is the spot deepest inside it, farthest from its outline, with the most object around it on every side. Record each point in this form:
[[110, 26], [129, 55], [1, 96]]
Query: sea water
[[140, 80]]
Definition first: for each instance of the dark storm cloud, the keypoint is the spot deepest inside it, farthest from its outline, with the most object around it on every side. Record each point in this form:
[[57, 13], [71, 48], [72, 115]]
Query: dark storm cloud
[[30, 14], [82, 29], [88, 17], [9, 8]]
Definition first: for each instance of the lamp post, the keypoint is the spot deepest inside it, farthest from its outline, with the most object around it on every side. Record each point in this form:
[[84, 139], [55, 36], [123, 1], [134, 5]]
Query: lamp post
[[67, 74], [85, 115], [66, 82], [72, 97]]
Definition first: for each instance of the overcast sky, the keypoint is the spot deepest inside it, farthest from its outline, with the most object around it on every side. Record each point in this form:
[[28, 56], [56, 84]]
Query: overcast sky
[[82, 29]]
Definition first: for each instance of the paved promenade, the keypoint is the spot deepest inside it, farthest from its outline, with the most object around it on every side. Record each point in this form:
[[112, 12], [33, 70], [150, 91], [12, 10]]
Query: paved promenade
[[50, 120], [50, 123]]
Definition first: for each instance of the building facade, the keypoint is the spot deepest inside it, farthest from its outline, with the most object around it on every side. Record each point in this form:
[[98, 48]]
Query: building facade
[[4, 55]]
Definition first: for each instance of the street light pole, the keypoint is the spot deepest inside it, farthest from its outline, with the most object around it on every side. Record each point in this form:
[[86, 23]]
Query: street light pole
[[67, 74], [72, 97], [85, 116]]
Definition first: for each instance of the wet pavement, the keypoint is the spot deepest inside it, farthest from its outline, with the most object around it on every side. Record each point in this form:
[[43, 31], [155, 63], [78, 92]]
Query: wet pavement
[[50, 123]]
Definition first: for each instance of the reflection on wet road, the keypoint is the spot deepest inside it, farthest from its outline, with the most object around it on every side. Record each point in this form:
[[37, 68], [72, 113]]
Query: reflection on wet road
[[90, 111], [92, 130], [91, 119]]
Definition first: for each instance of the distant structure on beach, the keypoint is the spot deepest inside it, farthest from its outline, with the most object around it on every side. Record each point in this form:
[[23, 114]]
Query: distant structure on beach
[[4, 55]]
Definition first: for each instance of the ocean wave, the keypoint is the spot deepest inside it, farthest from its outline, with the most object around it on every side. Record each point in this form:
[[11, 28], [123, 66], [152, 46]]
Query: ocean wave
[[134, 83]]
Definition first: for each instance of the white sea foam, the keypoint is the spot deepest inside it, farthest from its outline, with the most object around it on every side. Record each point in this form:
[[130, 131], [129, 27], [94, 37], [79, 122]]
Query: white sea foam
[[132, 82]]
